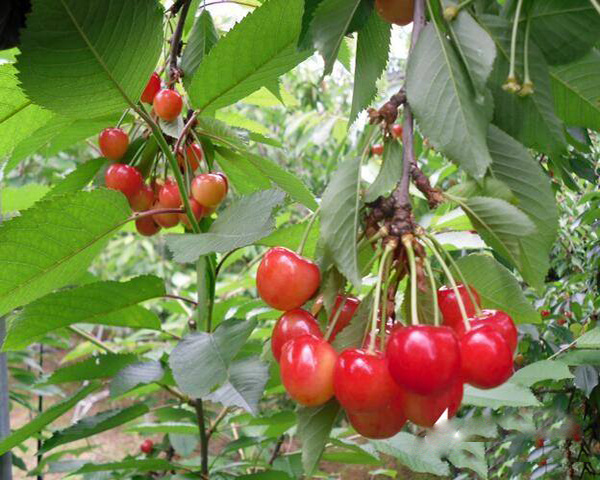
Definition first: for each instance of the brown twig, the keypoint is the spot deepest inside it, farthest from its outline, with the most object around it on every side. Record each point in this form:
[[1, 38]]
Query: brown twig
[[174, 71], [277, 449]]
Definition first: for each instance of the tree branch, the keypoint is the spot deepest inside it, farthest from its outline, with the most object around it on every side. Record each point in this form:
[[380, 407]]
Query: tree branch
[[174, 71]]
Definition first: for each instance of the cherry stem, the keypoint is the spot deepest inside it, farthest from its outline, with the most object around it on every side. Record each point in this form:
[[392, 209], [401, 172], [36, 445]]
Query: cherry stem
[[183, 299], [118, 125], [436, 309], [388, 282], [311, 222], [513, 40], [381, 233], [389, 248], [184, 132], [335, 318], [176, 40], [157, 211], [373, 259], [526, 80], [407, 242]]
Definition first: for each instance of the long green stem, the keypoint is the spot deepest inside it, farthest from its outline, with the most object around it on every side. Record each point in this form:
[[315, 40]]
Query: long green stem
[[335, 318], [414, 315], [436, 309], [513, 41], [390, 278], [527, 88], [307, 230], [92, 339], [377, 299]]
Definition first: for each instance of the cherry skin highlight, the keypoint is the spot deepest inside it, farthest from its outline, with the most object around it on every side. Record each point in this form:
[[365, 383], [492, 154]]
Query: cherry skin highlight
[[307, 366], [426, 410], [486, 358], [209, 189], [147, 446], [362, 381], [198, 210], [124, 178], [449, 305], [399, 12], [286, 280], [152, 88], [169, 196], [292, 324], [378, 424], [167, 104], [142, 200], [193, 156], [113, 143], [423, 359], [501, 322], [349, 306], [146, 226]]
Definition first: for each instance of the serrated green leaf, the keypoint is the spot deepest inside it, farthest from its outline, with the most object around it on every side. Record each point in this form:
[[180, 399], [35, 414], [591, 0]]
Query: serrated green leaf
[[78, 178], [15, 199], [94, 367], [105, 303], [590, 339], [202, 38], [84, 74], [225, 76], [134, 375], [142, 465], [241, 174], [52, 243], [540, 371], [506, 395], [444, 104], [290, 236], [389, 173]]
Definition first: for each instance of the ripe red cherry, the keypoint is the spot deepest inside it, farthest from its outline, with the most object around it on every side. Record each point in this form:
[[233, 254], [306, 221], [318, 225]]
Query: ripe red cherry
[[147, 446], [167, 104], [378, 424], [399, 12], [542, 462], [286, 280], [545, 313], [362, 381], [377, 149], [501, 322], [169, 196], [426, 410], [146, 226], [152, 88], [397, 130], [539, 442], [198, 210], [486, 358], [209, 189], [113, 143], [449, 305], [307, 366], [124, 178], [561, 321], [193, 155], [349, 306], [165, 220], [423, 359], [292, 324], [143, 199]]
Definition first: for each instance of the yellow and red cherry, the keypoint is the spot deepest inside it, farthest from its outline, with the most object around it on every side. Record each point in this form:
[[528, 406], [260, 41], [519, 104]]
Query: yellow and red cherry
[[399, 12], [143, 199], [198, 210], [397, 130], [307, 364], [152, 88], [209, 189], [147, 446], [193, 156], [169, 196], [377, 149], [124, 178], [499, 321], [349, 305], [426, 410], [292, 324], [167, 104], [379, 424], [146, 226], [286, 280], [450, 309], [113, 143], [165, 220]]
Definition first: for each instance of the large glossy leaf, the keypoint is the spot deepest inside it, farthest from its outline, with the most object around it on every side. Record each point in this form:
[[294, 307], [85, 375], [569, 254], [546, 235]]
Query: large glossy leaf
[[78, 178], [389, 173], [15, 199], [290, 236], [449, 114], [44, 418], [52, 243], [242, 175], [576, 91], [97, 366], [270, 32], [414, 452], [506, 395], [106, 303], [141, 465], [201, 360], [202, 38], [513, 165], [247, 220], [540, 371], [98, 59], [134, 375]]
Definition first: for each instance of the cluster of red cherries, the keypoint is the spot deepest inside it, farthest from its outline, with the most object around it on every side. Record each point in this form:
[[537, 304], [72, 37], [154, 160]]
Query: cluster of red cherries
[[207, 189], [418, 377]]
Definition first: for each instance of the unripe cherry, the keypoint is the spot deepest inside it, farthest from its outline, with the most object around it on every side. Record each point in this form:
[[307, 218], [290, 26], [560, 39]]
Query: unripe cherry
[[167, 104], [143, 199], [169, 196], [113, 143], [209, 189]]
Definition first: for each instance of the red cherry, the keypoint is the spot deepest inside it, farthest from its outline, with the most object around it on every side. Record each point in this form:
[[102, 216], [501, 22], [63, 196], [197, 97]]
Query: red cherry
[[377, 149], [124, 178], [501, 322], [542, 462], [545, 313], [142, 200], [486, 358], [362, 381], [449, 306], [193, 155], [113, 143], [146, 226], [286, 280], [426, 410], [568, 314], [169, 196], [292, 324], [561, 321], [349, 306], [378, 424], [151, 89], [209, 189], [397, 130], [167, 104], [307, 366], [539, 442], [165, 220], [399, 12], [147, 446], [198, 210], [423, 359]]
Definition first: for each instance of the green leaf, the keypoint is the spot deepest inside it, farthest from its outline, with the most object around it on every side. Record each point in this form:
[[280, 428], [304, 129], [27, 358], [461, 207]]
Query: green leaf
[[389, 173], [78, 178], [19, 116], [225, 76], [94, 367], [221, 133], [444, 104], [506, 395], [353, 335], [565, 31], [245, 385], [371, 60], [15, 199], [247, 220], [93, 425], [134, 375], [586, 379], [290, 236], [314, 427], [201, 360], [52, 243], [43, 419], [184, 445], [104, 303], [242, 175], [576, 91], [100, 62], [180, 428], [470, 455], [590, 339], [497, 287], [339, 218], [143, 465], [540, 371], [513, 165], [203, 37]]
